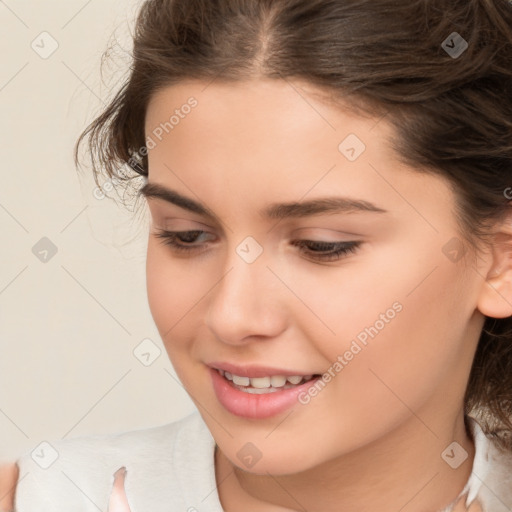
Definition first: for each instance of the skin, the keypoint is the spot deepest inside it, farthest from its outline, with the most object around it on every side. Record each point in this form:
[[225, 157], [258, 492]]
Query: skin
[[9, 474], [373, 438], [118, 501]]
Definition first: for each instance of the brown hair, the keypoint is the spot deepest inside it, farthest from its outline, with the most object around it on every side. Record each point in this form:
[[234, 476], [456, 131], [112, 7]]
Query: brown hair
[[452, 111]]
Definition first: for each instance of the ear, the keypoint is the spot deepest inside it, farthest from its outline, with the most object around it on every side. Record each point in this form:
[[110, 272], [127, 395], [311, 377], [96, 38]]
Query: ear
[[495, 299]]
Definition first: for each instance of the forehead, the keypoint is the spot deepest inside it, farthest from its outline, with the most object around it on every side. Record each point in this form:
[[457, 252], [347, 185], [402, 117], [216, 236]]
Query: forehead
[[284, 103], [271, 130], [260, 122], [274, 141]]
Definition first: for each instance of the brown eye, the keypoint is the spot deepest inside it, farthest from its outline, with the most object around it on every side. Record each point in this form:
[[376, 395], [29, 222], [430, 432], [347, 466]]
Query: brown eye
[[180, 240], [326, 251]]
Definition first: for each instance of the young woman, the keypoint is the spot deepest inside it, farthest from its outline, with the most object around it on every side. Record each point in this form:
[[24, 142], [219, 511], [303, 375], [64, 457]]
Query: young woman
[[329, 259]]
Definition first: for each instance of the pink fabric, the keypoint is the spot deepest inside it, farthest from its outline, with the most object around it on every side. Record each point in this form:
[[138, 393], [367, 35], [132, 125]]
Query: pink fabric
[[118, 501]]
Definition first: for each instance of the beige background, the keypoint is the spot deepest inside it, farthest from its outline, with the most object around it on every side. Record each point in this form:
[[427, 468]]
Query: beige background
[[70, 323]]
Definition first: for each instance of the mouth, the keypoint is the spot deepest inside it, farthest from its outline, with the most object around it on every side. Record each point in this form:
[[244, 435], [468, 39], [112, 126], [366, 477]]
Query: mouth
[[259, 397], [268, 384]]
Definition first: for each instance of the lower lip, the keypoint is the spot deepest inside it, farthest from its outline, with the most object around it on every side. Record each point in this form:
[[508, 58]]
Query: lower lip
[[253, 406]]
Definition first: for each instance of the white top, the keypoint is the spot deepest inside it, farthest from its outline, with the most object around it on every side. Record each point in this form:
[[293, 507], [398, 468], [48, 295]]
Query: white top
[[170, 468]]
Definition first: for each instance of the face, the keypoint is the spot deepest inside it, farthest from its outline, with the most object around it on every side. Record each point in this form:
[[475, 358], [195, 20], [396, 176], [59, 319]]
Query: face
[[392, 316]]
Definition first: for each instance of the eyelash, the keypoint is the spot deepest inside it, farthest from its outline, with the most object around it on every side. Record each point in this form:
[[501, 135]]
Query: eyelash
[[342, 248]]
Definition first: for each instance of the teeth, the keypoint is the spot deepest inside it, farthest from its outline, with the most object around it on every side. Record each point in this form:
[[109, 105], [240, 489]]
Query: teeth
[[261, 382], [241, 381], [278, 381], [275, 381]]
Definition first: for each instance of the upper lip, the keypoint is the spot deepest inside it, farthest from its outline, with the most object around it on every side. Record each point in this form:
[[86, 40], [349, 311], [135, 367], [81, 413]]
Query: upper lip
[[254, 370]]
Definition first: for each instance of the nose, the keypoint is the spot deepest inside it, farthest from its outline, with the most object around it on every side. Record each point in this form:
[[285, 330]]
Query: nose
[[246, 303]]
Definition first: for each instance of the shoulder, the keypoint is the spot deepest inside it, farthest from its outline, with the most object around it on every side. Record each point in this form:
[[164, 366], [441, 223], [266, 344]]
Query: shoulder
[[99, 450], [79, 472]]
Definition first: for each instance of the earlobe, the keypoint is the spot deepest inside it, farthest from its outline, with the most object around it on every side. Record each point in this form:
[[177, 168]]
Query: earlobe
[[495, 298]]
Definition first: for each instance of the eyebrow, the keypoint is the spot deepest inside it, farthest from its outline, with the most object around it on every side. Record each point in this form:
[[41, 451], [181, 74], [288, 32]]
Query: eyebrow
[[272, 211]]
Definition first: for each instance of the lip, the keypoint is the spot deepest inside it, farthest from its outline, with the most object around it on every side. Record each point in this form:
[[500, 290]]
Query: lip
[[256, 370], [255, 406]]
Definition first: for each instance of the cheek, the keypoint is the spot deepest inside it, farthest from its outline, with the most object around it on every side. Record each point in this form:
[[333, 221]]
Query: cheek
[[160, 282], [402, 318], [172, 290], [400, 346], [173, 294]]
